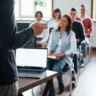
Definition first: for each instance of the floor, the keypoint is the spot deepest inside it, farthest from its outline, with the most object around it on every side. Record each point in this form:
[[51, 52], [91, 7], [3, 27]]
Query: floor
[[87, 81], [86, 85]]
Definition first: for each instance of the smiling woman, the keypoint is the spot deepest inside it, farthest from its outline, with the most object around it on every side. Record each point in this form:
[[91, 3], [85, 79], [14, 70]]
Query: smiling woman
[[27, 8]]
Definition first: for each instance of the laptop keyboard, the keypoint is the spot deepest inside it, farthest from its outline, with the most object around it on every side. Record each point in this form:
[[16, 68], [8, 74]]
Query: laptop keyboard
[[28, 67], [31, 69]]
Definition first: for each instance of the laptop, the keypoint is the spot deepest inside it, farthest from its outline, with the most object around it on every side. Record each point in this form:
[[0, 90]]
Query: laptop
[[31, 62]]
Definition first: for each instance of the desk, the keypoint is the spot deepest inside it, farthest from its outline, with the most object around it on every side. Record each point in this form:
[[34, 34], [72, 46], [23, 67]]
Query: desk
[[28, 83]]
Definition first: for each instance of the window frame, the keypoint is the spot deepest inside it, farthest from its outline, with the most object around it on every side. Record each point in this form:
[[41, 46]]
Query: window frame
[[92, 10], [30, 17]]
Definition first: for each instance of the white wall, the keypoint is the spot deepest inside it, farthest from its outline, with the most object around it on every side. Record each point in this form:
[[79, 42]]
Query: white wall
[[94, 36], [66, 5]]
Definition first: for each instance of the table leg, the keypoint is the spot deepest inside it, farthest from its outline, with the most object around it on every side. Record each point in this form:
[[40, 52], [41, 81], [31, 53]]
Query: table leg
[[49, 88]]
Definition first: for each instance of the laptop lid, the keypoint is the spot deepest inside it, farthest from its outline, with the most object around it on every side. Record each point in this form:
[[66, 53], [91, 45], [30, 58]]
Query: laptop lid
[[31, 57]]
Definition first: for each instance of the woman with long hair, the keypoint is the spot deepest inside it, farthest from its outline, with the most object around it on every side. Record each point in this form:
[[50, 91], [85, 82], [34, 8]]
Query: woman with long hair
[[55, 20], [62, 44], [53, 23]]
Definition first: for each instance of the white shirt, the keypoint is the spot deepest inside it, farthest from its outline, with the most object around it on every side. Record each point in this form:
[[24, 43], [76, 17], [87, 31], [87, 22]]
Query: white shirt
[[53, 24], [44, 34], [82, 18]]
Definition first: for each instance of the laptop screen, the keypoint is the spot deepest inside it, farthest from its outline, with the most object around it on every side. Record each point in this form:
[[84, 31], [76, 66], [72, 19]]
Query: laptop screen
[[31, 57]]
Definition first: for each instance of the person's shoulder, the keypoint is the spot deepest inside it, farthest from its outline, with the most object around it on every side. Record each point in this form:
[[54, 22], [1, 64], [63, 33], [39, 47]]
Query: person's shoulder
[[78, 18], [52, 20], [78, 22], [72, 33], [54, 30], [54, 33], [89, 18]]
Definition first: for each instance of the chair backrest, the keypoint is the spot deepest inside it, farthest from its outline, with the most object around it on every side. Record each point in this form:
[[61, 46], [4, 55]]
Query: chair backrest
[[75, 62], [50, 30], [22, 26]]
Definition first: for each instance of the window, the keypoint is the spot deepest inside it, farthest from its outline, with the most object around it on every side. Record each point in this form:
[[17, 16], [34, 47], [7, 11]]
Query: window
[[94, 9], [25, 9]]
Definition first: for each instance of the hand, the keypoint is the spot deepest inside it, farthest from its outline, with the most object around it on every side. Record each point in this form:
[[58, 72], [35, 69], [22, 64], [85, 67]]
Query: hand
[[38, 43], [59, 55], [57, 58], [49, 53], [44, 45], [38, 28]]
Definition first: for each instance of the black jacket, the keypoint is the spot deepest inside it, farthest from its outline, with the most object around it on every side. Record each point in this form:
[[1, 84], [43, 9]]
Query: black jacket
[[9, 41], [78, 29]]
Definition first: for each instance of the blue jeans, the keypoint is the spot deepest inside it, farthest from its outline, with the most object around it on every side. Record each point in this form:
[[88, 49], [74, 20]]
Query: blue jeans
[[57, 65]]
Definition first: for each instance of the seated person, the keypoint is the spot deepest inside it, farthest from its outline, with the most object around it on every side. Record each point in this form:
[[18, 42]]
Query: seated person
[[43, 37], [78, 29], [77, 18], [86, 20], [62, 44], [53, 22]]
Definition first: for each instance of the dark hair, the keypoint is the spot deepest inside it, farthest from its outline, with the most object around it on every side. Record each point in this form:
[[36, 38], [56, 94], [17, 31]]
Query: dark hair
[[39, 12], [73, 9], [84, 5], [69, 27], [57, 11]]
